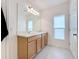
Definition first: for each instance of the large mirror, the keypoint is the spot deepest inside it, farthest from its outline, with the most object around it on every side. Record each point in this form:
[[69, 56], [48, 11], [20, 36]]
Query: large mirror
[[27, 22]]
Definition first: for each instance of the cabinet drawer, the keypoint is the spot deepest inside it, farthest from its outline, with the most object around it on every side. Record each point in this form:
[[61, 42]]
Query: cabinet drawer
[[31, 49], [33, 38]]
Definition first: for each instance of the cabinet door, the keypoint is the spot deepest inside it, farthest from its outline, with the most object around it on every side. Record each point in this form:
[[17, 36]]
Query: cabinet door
[[39, 44], [46, 39], [31, 49], [22, 48], [42, 41]]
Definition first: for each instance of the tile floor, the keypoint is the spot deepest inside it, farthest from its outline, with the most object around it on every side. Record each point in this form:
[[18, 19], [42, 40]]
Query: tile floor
[[50, 52]]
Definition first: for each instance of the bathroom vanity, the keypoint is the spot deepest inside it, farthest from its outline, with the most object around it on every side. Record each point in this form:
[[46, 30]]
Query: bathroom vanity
[[29, 45]]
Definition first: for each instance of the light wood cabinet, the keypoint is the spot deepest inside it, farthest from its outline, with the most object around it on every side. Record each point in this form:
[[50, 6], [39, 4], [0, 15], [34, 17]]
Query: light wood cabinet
[[42, 41], [39, 41], [22, 47], [29, 47], [46, 39]]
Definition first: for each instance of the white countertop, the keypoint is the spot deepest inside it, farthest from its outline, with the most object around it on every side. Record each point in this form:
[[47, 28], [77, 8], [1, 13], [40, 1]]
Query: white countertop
[[29, 34]]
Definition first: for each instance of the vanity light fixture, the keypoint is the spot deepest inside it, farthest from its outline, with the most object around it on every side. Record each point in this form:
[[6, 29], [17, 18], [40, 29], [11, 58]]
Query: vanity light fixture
[[31, 10]]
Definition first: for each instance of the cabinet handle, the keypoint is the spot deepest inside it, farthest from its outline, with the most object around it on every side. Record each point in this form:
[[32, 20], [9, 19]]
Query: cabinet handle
[[74, 34]]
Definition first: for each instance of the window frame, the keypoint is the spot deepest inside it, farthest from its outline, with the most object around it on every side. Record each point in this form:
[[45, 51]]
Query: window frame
[[59, 28]]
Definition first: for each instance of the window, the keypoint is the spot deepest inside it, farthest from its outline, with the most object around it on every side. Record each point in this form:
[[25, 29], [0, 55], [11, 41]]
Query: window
[[30, 26], [59, 27]]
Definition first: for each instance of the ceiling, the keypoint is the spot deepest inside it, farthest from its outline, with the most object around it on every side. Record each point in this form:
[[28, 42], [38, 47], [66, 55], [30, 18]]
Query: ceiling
[[43, 4]]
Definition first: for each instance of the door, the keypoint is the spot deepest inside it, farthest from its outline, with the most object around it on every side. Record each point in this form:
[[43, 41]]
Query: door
[[73, 29]]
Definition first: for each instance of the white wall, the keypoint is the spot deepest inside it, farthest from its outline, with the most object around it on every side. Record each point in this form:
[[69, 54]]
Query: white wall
[[73, 28], [9, 45], [47, 23]]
